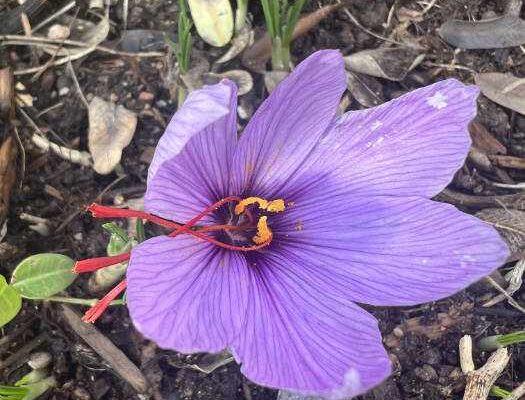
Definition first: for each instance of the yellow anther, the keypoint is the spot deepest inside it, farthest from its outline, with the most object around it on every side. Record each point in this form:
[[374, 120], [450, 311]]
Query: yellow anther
[[239, 208], [271, 206], [264, 234], [276, 205]]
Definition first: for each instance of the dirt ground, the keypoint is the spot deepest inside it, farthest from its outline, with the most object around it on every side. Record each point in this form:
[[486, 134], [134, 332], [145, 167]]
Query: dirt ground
[[425, 358]]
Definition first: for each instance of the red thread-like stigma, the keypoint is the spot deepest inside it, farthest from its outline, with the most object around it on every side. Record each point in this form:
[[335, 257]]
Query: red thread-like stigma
[[98, 309], [93, 264]]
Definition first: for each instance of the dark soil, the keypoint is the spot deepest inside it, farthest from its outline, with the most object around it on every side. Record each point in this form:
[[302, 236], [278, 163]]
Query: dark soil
[[425, 368]]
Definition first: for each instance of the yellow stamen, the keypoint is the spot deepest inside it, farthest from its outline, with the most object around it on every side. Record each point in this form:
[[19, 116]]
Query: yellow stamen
[[271, 206], [239, 208], [276, 205], [264, 234]]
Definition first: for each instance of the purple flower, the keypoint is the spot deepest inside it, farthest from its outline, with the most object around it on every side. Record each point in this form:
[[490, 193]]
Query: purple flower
[[357, 227]]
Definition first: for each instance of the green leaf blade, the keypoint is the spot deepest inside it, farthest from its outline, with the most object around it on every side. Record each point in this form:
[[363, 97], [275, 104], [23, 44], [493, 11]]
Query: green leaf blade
[[43, 275], [10, 302]]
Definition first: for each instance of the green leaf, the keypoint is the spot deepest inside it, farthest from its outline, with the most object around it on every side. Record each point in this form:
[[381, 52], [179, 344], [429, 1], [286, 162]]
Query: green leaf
[[10, 302], [13, 393], [119, 242], [141, 234], [291, 20], [43, 275]]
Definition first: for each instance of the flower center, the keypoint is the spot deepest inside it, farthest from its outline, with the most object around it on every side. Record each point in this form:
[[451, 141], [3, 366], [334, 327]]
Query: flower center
[[235, 234], [263, 232]]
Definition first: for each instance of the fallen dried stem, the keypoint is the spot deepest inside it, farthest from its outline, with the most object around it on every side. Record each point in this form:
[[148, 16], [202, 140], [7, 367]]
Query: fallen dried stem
[[19, 40], [75, 156], [480, 381]]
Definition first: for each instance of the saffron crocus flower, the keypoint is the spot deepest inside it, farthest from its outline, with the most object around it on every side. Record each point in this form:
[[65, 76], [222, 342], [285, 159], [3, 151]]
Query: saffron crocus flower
[[303, 217]]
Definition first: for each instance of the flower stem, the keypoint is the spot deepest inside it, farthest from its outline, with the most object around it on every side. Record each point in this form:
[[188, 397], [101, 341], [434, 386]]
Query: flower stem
[[181, 96], [280, 55], [84, 302]]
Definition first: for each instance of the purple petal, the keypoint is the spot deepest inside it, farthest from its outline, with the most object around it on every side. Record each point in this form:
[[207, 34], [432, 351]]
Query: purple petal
[[186, 294], [192, 163], [299, 336], [288, 124], [389, 250], [410, 146]]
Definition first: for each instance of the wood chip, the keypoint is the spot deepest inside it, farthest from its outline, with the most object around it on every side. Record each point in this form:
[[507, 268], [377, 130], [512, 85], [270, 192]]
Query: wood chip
[[107, 350]]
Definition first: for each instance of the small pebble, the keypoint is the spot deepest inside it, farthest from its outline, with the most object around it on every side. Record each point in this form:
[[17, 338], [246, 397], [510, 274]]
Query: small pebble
[[78, 236], [161, 103], [63, 91]]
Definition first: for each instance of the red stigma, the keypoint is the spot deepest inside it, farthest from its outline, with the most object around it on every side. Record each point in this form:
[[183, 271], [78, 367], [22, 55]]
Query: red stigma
[[93, 264], [98, 309]]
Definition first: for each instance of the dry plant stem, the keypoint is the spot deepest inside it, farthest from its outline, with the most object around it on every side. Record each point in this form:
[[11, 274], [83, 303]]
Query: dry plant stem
[[481, 380], [513, 201], [517, 393], [55, 63], [21, 353], [509, 298], [515, 279], [18, 40], [106, 349], [465, 354], [75, 156], [55, 15], [77, 85], [429, 6]]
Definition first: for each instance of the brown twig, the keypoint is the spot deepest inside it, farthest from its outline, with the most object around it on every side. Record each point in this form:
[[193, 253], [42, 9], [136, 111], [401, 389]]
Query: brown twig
[[514, 201], [114, 357], [18, 40]]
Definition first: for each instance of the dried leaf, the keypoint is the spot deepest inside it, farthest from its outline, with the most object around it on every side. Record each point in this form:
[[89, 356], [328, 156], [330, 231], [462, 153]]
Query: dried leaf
[[509, 223], [213, 20], [111, 128], [242, 79], [500, 32], [241, 40], [388, 63], [504, 89], [484, 141], [364, 89]]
